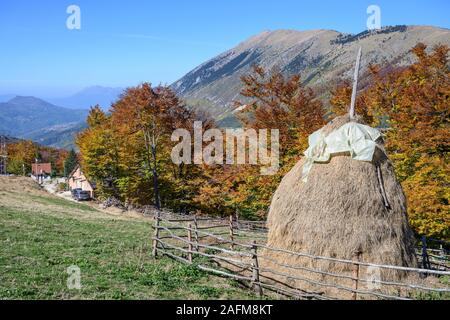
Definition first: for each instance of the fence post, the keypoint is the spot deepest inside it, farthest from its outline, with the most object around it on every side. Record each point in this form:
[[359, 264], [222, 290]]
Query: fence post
[[156, 234], [425, 258], [190, 243], [231, 232], [356, 274], [255, 266], [196, 233]]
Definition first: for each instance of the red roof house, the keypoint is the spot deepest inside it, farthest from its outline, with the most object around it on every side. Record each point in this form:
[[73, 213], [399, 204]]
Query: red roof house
[[41, 168]]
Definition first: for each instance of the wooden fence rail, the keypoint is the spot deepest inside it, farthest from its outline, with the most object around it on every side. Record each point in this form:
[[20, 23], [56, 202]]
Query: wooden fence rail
[[228, 255]]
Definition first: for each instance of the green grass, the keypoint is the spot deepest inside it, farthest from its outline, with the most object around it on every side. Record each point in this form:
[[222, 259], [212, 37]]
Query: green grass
[[40, 241], [420, 295], [60, 202]]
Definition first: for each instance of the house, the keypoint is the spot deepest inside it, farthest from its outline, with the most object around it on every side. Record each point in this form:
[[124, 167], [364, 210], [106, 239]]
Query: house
[[41, 169], [77, 179]]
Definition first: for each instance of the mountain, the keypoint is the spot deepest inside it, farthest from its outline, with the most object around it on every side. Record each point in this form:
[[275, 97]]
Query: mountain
[[58, 136], [322, 57], [6, 97], [8, 139], [33, 118], [89, 97]]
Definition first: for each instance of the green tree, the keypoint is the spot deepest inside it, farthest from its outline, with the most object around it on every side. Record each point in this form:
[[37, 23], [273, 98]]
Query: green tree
[[70, 163]]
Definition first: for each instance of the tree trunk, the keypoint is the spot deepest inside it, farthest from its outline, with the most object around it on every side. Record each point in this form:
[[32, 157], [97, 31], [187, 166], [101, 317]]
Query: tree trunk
[[155, 179]]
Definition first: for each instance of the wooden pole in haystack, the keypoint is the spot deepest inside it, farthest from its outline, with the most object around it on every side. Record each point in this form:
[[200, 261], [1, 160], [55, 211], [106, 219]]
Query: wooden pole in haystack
[[355, 85]]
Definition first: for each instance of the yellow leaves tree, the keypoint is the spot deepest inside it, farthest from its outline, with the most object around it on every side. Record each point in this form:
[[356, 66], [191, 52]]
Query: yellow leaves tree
[[128, 152], [413, 102], [99, 148], [20, 157]]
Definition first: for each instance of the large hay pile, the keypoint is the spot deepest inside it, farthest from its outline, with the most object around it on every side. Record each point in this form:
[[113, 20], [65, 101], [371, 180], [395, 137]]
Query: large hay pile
[[339, 211]]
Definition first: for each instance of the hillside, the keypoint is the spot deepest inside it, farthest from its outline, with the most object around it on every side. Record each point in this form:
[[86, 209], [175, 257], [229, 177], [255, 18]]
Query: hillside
[[35, 119], [58, 136], [322, 57], [9, 139], [41, 235]]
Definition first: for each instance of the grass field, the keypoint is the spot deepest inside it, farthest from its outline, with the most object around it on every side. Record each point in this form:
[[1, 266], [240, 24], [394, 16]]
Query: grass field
[[42, 235]]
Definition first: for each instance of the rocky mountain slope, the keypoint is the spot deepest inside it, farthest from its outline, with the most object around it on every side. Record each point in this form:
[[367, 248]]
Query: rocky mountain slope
[[322, 57]]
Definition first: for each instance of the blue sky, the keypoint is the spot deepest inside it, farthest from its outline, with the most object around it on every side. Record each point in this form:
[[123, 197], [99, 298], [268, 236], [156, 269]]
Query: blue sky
[[122, 43]]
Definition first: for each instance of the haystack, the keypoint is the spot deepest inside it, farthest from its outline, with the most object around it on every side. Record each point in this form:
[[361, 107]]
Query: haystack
[[340, 208], [340, 205]]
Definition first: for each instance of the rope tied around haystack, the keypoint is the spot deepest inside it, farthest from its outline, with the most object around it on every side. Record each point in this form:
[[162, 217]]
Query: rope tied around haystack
[[355, 139]]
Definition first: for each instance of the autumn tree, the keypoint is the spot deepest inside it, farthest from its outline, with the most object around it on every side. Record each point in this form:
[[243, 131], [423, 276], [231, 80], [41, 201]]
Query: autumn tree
[[283, 103], [128, 152], [270, 101], [23, 153], [99, 149], [413, 102], [147, 116], [20, 157]]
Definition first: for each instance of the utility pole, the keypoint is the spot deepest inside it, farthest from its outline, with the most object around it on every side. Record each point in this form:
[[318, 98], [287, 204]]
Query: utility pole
[[3, 155]]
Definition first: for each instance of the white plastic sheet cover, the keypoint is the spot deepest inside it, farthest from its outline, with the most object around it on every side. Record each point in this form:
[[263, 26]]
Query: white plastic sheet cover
[[354, 138]]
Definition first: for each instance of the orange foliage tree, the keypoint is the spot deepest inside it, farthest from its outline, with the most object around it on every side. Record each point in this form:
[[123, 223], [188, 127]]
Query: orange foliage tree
[[23, 153], [413, 102], [128, 153], [273, 101]]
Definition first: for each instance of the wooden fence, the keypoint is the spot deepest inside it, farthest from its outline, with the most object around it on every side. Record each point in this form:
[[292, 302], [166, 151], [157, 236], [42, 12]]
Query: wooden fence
[[237, 249]]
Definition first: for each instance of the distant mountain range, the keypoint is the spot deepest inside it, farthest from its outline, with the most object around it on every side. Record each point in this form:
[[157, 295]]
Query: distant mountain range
[[40, 121], [84, 99], [9, 139], [89, 97], [53, 121], [322, 57], [6, 97]]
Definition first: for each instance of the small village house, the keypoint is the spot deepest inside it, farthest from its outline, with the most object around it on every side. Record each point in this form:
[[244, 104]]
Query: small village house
[[77, 179], [41, 169]]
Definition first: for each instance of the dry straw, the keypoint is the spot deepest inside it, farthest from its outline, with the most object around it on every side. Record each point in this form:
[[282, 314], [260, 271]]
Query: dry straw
[[345, 207]]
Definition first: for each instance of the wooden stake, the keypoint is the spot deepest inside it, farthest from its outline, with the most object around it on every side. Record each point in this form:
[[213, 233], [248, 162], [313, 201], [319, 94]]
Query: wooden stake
[[196, 233], [255, 276], [355, 85], [156, 234], [231, 232], [190, 243], [356, 275], [425, 259]]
